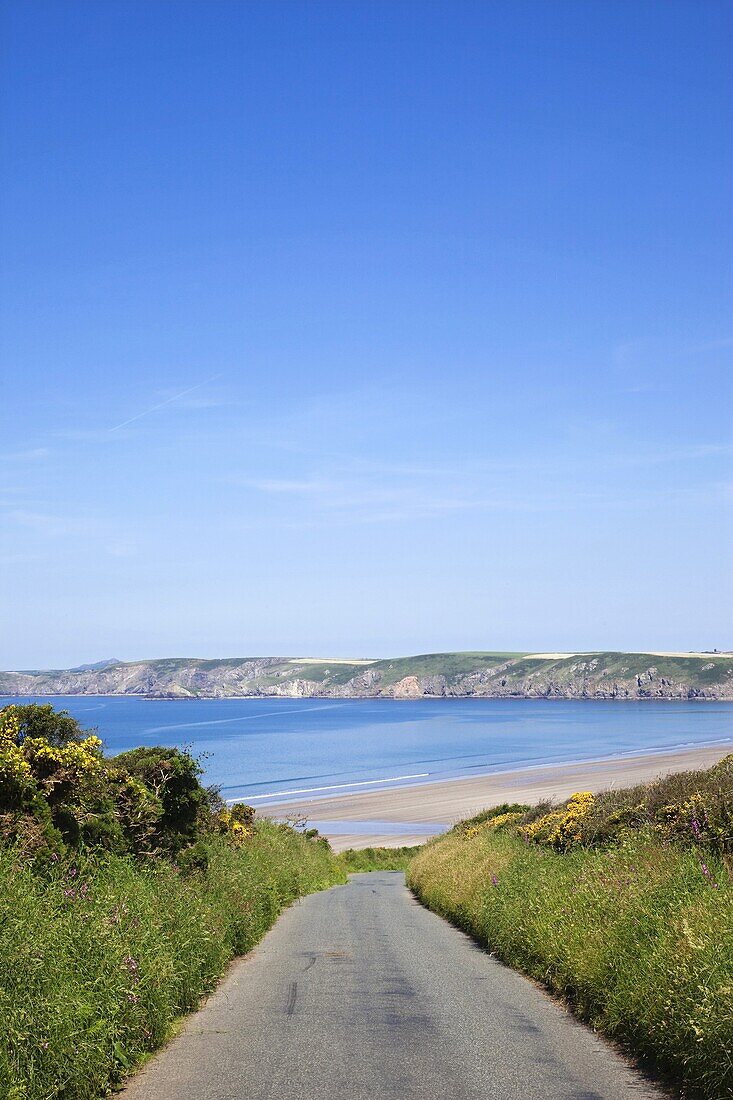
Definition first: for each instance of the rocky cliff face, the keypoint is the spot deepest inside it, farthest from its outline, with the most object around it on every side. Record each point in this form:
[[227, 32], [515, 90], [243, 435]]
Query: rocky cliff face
[[580, 676]]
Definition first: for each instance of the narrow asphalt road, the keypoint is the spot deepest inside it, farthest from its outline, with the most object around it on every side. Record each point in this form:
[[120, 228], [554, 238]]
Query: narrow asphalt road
[[360, 992]]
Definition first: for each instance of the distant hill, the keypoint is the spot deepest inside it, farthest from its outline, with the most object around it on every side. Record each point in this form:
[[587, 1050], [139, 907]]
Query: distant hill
[[497, 675], [98, 666]]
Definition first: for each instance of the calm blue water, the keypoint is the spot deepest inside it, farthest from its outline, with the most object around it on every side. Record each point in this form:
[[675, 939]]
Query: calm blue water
[[256, 749]]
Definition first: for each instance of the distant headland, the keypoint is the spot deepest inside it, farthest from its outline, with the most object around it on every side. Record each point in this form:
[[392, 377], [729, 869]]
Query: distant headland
[[486, 675]]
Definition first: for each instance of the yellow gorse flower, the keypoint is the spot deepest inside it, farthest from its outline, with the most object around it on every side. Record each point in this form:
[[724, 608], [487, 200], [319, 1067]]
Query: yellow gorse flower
[[501, 820], [497, 822], [562, 828], [21, 762], [83, 757], [13, 765], [232, 826]]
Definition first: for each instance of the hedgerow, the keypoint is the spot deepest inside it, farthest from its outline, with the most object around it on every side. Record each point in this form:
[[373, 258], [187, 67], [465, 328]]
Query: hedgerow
[[125, 889]]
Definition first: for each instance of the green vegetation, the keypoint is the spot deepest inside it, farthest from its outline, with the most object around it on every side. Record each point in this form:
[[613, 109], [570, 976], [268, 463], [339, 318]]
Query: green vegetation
[[606, 670], [620, 903], [377, 859], [125, 889], [450, 665], [606, 675]]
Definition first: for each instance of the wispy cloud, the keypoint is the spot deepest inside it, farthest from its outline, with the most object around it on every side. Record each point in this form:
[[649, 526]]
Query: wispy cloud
[[43, 533], [123, 548], [204, 401], [355, 490], [50, 524], [32, 454], [162, 404], [369, 497], [692, 452], [288, 485]]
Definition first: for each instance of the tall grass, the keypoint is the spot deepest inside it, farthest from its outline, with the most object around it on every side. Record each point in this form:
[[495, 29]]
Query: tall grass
[[100, 953], [377, 859], [638, 936]]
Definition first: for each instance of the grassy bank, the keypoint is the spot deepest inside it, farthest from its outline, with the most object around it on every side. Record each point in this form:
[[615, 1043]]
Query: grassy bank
[[125, 889], [622, 904], [98, 956], [377, 859]]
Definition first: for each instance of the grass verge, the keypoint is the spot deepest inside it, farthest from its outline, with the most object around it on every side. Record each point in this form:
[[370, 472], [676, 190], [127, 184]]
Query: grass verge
[[100, 953], [634, 930]]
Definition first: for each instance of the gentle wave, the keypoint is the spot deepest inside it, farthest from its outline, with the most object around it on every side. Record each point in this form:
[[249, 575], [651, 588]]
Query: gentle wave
[[678, 745], [502, 769], [335, 786]]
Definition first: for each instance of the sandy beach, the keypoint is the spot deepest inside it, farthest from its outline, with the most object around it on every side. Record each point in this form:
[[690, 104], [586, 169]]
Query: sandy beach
[[430, 807]]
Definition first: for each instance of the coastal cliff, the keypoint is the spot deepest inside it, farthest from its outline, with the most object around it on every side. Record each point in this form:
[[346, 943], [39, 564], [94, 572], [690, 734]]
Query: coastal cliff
[[603, 675]]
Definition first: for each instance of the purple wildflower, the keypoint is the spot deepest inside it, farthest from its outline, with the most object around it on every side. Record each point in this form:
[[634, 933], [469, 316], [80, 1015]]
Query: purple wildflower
[[494, 879], [708, 874], [131, 966]]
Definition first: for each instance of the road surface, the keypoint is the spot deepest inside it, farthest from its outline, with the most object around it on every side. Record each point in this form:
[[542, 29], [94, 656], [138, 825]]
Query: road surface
[[358, 992]]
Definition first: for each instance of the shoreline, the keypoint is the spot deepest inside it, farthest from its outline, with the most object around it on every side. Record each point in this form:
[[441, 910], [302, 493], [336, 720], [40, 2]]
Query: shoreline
[[300, 797], [444, 802], [374, 698]]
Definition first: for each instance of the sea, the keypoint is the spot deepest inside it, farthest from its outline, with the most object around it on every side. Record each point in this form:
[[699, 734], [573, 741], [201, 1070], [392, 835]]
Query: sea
[[260, 750]]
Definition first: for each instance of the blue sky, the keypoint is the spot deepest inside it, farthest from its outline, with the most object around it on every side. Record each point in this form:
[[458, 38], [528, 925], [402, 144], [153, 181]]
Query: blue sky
[[361, 329]]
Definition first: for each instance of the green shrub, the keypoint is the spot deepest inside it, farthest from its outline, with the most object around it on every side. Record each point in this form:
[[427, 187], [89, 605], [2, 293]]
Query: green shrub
[[377, 859], [489, 815], [56, 727], [173, 777], [57, 790]]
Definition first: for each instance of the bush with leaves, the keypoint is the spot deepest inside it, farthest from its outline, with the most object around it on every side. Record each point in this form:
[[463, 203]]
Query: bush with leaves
[[58, 790], [173, 777]]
